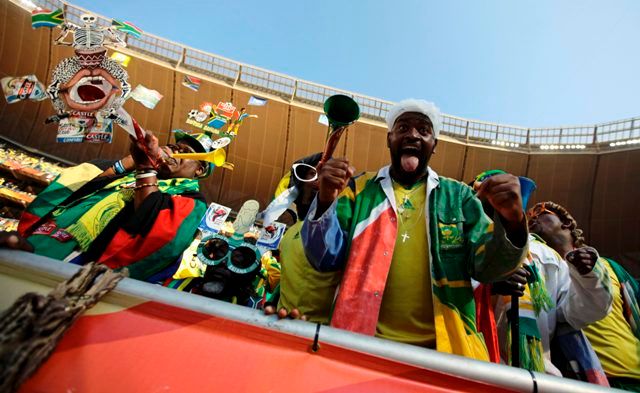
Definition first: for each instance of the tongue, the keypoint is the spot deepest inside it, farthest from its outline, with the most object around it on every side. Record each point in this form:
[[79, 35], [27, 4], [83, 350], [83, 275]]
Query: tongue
[[409, 162]]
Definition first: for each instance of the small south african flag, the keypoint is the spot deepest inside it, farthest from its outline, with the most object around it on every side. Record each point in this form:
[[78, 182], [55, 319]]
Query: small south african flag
[[126, 27], [191, 82], [46, 18]]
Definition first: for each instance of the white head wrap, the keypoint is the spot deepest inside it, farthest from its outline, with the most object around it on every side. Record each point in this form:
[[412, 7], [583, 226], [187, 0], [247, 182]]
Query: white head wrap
[[420, 106]]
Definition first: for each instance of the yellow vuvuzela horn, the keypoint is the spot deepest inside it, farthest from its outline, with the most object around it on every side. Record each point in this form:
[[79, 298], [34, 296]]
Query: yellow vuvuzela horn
[[217, 157]]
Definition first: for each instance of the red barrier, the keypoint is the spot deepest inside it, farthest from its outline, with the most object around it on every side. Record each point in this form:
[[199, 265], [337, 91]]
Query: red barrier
[[154, 347]]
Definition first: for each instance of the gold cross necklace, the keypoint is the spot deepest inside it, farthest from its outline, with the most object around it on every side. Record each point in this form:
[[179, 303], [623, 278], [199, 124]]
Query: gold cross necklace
[[404, 211]]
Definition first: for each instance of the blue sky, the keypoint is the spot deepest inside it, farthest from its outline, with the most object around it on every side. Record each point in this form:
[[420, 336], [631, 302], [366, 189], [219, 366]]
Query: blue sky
[[542, 63]]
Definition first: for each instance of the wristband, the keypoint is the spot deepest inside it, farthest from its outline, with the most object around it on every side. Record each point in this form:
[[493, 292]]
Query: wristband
[[145, 175], [118, 168]]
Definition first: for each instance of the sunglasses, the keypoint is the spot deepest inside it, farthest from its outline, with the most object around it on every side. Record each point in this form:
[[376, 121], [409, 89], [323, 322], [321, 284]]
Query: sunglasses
[[539, 210], [180, 148], [305, 172], [241, 259]]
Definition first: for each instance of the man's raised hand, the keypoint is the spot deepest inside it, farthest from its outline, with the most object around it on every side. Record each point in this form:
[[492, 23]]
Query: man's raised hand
[[333, 177], [503, 193]]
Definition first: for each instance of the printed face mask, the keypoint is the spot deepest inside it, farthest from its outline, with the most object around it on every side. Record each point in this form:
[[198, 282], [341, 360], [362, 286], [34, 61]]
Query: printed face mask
[[87, 89]]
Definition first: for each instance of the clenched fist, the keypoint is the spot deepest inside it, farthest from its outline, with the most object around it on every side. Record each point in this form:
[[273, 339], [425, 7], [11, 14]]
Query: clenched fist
[[503, 192], [147, 154], [514, 285], [332, 179], [583, 258]]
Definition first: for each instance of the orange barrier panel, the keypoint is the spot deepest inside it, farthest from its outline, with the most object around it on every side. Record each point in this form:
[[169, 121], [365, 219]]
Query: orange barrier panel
[[154, 347]]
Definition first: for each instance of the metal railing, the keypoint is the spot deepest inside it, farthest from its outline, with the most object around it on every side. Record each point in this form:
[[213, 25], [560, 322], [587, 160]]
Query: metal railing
[[603, 136], [20, 265]]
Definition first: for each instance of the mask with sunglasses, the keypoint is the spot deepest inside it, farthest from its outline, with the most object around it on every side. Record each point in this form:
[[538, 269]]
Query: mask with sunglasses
[[200, 143], [183, 148], [231, 267], [539, 210]]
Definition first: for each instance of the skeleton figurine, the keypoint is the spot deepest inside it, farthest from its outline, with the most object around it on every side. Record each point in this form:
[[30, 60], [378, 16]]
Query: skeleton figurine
[[90, 36]]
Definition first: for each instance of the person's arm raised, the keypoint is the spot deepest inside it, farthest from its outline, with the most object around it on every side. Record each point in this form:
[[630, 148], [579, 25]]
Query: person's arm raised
[[324, 238], [124, 165], [146, 179], [500, 244]]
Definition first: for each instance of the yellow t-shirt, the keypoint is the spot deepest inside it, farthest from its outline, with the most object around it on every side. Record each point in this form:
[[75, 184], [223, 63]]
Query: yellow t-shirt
[[406, 314], [612, 339], [301, 286]]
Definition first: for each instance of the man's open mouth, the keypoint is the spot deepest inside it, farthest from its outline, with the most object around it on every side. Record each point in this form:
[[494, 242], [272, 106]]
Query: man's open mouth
[[410, 149]]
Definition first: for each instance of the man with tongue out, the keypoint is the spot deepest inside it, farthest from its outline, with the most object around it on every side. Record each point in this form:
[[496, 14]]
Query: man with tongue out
[[409, 241]]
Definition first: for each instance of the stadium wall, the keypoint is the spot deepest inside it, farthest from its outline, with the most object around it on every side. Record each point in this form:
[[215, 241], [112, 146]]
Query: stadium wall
[[600, 189]]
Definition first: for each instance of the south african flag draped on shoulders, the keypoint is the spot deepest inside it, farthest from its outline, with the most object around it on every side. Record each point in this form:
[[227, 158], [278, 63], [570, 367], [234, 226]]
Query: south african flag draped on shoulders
[[84, 217]]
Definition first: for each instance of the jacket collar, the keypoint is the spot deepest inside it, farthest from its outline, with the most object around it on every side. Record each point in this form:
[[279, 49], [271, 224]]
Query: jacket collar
[[433, 180], [383, 176]]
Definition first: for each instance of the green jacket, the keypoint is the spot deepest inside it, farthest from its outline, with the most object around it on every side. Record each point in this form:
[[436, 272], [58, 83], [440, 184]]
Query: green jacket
[[357, 234]]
